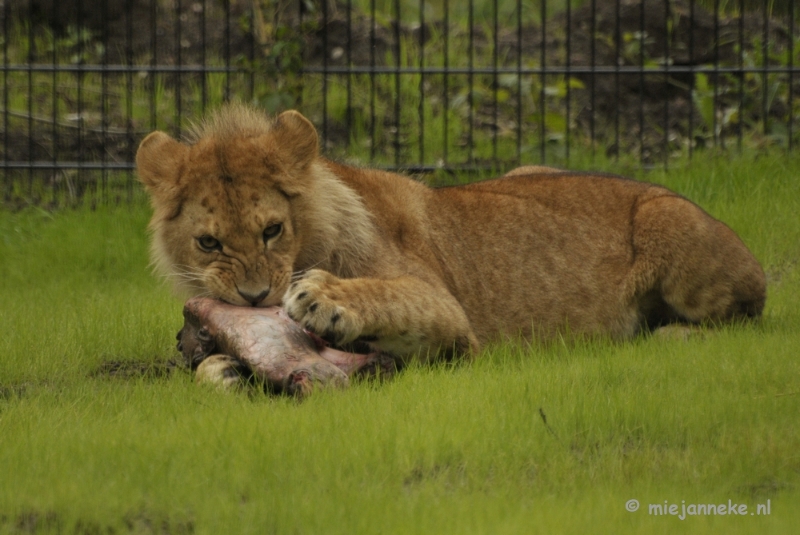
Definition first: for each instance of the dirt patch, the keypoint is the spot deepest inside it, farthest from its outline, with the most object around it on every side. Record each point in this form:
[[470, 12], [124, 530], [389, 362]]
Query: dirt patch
[[9, 392], [136, 369], [451, 474], [33, 522], [140, 522], [765, 489]]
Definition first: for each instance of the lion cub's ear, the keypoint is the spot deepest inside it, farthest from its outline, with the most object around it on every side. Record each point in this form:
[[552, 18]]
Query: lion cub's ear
[[298, 136], [158, 161]]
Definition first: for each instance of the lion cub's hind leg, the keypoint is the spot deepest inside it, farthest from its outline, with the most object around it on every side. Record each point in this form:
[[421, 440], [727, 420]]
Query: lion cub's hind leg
[[689, 267]]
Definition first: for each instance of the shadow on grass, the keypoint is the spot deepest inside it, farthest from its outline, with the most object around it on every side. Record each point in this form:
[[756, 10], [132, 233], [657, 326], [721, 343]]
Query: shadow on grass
[[132, 522], [137, 369]]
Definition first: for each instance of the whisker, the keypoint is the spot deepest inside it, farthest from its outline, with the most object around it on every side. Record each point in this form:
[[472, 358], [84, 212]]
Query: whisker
[[187, 269], [301, 273], [181, 272], [182, 276]]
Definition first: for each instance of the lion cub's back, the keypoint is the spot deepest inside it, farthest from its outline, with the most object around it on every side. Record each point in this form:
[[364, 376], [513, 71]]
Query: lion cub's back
[[549, 249]]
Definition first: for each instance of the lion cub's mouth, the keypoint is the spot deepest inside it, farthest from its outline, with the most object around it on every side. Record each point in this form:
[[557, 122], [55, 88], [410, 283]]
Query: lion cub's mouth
[[242, 299]]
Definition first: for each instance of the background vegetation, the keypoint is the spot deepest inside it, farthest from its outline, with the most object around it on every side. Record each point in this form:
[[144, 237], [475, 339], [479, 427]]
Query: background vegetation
[[482, 104]]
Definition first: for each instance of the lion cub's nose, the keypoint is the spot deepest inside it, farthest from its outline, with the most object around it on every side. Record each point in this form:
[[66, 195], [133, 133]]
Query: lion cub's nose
[[254, 299]]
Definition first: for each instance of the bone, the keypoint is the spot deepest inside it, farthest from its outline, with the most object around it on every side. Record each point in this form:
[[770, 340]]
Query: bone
[[272, 346]]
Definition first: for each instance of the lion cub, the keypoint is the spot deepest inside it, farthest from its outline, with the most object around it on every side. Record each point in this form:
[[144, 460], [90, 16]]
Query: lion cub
[[248, 211]]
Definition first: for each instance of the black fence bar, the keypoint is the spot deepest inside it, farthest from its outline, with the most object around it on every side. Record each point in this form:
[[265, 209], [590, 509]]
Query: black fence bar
[[29, 72], [398, 52], [409, 84], [790, 64], [568, 74], [153, 13], [349, 120], [372, 87], [471, 84], [665, 147], [642, 48], [617, 67], [543, 84], [714, 130], [445, 83], [495, 80], [690, 113], [6, 182], [739, 126], [421, 105]]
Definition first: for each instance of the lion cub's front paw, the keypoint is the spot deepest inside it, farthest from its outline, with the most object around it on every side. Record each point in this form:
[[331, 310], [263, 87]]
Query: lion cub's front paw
[[319, 303]]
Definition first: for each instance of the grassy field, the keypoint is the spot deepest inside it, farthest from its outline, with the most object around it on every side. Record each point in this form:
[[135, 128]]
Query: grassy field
[[444, 449]]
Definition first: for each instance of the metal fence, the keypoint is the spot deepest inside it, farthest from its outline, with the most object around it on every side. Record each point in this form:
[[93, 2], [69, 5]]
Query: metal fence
[[401, 84]]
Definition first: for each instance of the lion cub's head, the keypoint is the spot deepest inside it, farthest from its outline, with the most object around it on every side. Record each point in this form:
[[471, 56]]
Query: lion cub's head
[[228, 207]]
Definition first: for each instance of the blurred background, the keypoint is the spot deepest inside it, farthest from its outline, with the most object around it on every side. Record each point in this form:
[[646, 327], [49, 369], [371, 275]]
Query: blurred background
[[427, 87]]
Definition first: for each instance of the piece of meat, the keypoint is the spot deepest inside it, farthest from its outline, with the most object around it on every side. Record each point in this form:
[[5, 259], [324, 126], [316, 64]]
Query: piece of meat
[[272, 346]]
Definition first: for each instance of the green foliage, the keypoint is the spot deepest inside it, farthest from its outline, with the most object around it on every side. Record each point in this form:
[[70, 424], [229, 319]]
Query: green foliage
[[435, 121], [703, 97], [80, 44], [741, 102], [280, 63], [483, 11]]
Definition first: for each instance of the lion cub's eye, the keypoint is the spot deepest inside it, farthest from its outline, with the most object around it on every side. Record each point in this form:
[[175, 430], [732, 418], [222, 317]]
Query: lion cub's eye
[[272, 231], [209, 243]]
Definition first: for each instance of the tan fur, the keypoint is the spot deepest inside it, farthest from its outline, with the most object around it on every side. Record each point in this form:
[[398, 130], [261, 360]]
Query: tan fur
[[379, 258], [533, 170]]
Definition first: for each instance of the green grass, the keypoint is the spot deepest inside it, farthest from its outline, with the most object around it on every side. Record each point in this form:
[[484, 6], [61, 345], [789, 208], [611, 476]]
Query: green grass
[[443, 449]]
